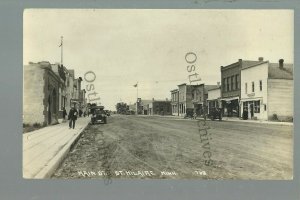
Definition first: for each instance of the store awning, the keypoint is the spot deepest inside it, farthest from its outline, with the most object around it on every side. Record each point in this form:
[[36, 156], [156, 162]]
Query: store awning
[[251, 99], [230, 98]]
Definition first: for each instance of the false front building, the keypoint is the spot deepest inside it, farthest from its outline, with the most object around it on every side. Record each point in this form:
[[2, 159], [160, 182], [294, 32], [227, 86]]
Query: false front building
[[267, 91]]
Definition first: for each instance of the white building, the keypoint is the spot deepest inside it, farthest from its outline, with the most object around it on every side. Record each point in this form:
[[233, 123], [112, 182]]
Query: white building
[[214, 98], [267, 91]]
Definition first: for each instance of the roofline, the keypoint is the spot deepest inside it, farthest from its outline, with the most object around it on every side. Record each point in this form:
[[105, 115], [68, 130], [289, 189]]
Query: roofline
[[218, 88], [255, 65], [230, 65]]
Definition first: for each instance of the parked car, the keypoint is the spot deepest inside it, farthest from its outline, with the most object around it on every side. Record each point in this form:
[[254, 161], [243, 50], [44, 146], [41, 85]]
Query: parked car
[[107, 112], [98, 115], [215, 113]]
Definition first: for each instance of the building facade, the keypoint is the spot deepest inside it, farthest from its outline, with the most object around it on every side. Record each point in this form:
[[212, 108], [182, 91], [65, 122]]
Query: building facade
[[214, 98], [175, 102], [231, 86], [41, 94], [185, 104], [160, 107], [267, 91], [48, 89]]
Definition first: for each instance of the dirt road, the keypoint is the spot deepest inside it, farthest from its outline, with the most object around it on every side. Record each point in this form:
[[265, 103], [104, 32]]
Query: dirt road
[[158, 147]]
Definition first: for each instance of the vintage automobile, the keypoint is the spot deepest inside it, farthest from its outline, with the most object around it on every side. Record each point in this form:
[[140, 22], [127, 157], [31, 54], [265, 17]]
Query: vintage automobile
[[107, 112], [98, 115], [215, 113]]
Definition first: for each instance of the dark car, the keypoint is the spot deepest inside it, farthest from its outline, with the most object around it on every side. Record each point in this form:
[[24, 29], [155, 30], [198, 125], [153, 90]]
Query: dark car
[[215, 113], [107, 112], [98, 115]]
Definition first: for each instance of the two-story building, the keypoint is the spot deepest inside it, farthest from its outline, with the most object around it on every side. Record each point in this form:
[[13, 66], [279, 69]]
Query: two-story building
[[267, 90], [185, 104], [231, 87], [199, 98], [175, 102]]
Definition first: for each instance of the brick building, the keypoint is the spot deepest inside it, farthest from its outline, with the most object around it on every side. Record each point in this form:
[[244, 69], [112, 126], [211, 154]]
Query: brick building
[[231, 88]]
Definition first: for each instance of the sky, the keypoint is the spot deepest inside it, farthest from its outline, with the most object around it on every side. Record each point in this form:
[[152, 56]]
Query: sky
[[124, 47]]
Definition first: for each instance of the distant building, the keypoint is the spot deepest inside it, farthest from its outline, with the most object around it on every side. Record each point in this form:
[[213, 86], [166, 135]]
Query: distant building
[[159, 107], [199, 98], [145, 107], [185, 104], [175, 102], [190, 99], [267, 90]]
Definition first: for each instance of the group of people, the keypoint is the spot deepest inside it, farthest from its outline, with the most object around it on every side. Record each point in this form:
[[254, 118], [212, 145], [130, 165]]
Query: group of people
[[72, 116]]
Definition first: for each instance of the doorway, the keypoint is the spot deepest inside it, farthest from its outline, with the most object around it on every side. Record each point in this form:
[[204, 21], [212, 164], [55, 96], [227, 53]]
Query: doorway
[[49, 110]]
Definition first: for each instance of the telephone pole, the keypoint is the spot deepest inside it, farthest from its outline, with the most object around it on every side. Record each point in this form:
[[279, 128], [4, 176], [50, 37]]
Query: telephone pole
[[61, 49]]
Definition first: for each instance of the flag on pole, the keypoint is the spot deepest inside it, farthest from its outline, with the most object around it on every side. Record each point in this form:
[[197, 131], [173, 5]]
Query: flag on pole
[[61, 41], [135, 85]]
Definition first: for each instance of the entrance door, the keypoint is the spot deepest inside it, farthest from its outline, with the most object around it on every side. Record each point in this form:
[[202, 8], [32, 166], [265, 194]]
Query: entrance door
[[252, 110]]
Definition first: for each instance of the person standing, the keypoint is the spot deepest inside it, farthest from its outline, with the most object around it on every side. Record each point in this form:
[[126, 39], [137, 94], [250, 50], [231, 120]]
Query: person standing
[[72, 117], [64, 113]]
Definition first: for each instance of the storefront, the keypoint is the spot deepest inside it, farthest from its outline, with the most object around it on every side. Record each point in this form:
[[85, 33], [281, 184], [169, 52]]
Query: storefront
[[230, 107], [253, 109], [213, 104]]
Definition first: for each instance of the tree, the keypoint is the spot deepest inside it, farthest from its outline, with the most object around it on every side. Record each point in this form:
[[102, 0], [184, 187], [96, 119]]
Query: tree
[[122, 108]]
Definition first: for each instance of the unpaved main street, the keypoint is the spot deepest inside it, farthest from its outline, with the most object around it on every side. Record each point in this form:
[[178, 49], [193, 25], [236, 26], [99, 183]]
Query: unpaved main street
[[171, 148]]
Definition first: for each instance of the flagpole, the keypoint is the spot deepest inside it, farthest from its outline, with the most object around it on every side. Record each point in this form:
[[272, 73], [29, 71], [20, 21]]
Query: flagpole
[[61, 46], [137, 96]]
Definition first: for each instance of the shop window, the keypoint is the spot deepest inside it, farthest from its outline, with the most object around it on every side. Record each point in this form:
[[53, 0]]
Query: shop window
[[256, 106], [260, 85]]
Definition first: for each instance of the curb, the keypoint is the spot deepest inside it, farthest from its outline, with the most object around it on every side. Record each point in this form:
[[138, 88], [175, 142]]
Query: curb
[[230, 120], [56, 161]]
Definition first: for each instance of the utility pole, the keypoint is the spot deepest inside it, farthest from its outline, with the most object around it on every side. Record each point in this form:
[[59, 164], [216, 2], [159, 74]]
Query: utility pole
[[137, 95], [61, 48]]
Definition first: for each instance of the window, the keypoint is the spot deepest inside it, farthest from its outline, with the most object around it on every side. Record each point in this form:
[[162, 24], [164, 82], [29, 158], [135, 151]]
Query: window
[[260, 85], [228, 89], [265, 107], [237, 82], [232, 83], [246, 88], [224, 85], [256, 106], [252, 86]]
